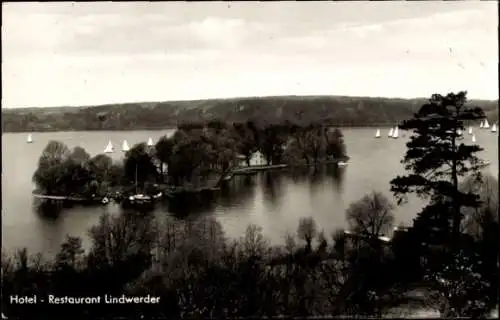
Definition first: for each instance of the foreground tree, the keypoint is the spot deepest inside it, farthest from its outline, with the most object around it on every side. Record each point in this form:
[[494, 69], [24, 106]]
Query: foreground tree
[[71, 254], [482, 225], [478, 220], [307, 230], [371, 216], [436, 160], [461, 290]]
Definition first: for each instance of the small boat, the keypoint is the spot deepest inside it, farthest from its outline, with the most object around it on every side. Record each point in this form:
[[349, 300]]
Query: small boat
[[473, 138], [150, 142], [494, 128], [391, 132], [109, 148], [158, 195], [395, 135], [459, 132], [342, 164], [481, 125], [377, 134], [105, 200], [470, 130], [483, 163], [140, 199], [486, 124], [29, 139], [125, 146]]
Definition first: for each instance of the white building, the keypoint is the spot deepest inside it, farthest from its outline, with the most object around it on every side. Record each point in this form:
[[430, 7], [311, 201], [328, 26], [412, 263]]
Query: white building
[[257, 159]]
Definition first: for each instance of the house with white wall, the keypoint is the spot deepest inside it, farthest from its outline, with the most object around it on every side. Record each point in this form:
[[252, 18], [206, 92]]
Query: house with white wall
[[257, 159]]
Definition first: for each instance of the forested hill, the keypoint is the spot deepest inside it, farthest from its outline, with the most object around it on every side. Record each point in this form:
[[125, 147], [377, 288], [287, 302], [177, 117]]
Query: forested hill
[[336, 110]]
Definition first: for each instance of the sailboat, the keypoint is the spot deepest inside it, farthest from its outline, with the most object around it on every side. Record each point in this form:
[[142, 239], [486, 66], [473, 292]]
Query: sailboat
[[125, 146], [377, 135], [109, 148], [486, 124], [139, 199], [470, 130], [481, 125], [150, 142], [391, 133], [395, 134], [494, 128], [29, 139], [473, 138]]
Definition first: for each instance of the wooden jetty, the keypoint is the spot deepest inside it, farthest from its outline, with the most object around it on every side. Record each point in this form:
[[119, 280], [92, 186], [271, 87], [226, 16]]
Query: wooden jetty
[[62, 198], [70, 199], [249, 170]]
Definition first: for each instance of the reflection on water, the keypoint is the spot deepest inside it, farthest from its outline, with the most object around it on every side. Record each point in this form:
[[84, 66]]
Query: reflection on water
[[240, 190], [274, 200], [47, 209], [184, 205]]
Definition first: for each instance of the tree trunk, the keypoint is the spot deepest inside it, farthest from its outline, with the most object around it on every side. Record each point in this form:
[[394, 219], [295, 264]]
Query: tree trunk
[[456, 205]]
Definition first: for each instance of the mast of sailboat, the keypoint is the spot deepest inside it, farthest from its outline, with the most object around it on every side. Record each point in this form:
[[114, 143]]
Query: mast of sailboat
[[136, 187]]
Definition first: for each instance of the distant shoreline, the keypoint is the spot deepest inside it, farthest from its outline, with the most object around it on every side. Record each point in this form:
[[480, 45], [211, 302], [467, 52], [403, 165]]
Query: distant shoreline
[[335, 111], [386, 125], [233, 99]]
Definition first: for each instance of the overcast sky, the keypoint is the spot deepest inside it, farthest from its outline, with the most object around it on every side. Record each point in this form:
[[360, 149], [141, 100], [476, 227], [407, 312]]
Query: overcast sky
[[57, 54]]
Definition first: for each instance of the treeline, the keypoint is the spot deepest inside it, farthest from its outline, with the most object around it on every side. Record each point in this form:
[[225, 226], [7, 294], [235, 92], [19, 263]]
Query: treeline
[[337, 111], [196, 154]]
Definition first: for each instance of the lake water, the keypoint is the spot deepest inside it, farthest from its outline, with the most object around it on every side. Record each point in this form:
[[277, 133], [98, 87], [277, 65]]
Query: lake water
[[274, 201]]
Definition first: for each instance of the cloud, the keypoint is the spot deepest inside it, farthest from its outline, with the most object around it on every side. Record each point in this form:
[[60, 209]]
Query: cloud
[[469, 32], [103, 52], [109, 34]]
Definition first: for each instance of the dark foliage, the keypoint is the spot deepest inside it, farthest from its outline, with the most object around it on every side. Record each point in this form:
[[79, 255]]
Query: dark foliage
[[337, 111], [194, 156], [435, 160]]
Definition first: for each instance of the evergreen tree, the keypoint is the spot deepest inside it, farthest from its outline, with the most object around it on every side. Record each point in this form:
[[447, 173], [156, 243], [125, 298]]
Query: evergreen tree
[[436, 159]]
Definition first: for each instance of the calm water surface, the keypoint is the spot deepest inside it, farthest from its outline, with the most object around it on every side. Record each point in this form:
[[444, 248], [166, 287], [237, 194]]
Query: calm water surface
[[274, 201]]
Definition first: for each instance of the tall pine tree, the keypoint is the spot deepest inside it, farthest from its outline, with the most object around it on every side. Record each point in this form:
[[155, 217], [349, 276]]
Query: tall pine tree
[[436, 159]]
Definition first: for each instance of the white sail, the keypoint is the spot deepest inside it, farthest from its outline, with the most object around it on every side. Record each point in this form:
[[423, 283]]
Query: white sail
[[481, 125], [29, 139], [150, 142], [486, 124], [473, 138], [494, 128], [395, 135], [391, 132], [470, 130], [125, 146], [109, 147], [377, 135]]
